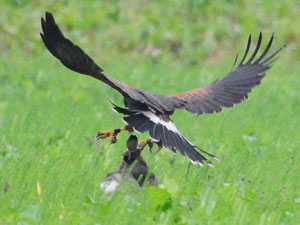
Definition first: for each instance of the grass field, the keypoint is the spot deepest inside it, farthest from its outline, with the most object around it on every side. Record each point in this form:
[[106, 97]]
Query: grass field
[[50, 172]]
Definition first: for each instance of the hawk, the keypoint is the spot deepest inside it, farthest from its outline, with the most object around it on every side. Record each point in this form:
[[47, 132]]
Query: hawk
[[147, 111]]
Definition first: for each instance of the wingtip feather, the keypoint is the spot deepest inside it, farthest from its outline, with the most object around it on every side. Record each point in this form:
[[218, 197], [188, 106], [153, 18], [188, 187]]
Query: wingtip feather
[[49, 17], [256, 49], [246, 51]]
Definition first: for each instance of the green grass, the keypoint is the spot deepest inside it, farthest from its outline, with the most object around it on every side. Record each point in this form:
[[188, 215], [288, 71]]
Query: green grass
[[47, 111]]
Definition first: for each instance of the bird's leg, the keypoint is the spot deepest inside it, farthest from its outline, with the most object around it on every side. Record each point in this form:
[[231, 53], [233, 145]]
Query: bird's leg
[[112, 134], [150, 143], [142, 144]]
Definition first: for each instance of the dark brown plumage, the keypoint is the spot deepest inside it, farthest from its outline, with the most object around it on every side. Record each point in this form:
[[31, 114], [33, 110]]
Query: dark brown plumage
[[147, 111]]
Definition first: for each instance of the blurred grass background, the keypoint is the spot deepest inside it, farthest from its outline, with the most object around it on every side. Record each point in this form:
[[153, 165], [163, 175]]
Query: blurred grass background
[[47, 112]]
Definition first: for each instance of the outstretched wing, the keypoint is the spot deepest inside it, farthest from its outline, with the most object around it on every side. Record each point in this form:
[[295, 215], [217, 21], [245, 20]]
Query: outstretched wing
[[231, 89], [77, 60], [73, 57], [228, 91]]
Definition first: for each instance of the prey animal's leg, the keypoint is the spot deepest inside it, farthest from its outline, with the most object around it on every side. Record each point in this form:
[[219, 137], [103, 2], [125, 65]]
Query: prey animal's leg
[[112, 134]]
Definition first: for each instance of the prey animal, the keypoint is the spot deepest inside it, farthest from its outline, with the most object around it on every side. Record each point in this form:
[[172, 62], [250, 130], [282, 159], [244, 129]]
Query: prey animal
[[146, 111]]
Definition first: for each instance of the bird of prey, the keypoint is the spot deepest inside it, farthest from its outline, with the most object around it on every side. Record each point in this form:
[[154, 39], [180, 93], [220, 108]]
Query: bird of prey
[[147, 111]]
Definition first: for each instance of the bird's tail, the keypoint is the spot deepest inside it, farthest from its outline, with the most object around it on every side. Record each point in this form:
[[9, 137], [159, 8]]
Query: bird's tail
[[166, 132]]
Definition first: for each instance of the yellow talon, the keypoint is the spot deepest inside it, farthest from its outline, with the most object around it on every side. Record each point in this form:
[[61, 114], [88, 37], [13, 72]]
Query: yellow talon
[[111, 134], [142, 144]]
